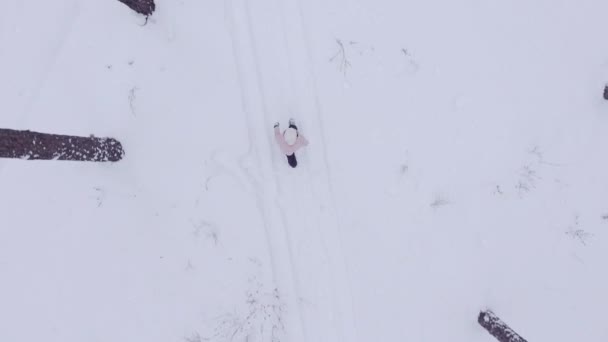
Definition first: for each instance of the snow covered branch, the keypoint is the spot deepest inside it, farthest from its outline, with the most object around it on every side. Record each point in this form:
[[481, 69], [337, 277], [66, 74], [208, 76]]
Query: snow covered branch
[[145, 7], [33, 145], [497, 328]]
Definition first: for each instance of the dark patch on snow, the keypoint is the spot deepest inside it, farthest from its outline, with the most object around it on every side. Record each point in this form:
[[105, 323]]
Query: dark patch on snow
[[497, 328], [145, 7], [30, 145]]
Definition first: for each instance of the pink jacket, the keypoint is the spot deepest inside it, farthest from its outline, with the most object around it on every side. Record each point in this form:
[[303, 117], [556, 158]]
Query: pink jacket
[[285, 147]]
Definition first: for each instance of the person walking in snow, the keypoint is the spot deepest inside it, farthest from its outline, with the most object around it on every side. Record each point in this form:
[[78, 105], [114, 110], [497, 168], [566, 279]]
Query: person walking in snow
[[290, 141]]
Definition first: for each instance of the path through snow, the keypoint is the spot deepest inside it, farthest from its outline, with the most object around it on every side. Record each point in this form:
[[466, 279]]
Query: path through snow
[[301, 224]]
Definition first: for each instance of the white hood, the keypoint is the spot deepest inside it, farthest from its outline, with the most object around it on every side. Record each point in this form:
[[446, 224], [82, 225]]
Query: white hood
[[290, 135]]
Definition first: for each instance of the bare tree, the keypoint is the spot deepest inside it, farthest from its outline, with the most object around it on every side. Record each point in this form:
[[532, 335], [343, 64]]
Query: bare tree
[[145, 7], [497, 328], [33, 145]]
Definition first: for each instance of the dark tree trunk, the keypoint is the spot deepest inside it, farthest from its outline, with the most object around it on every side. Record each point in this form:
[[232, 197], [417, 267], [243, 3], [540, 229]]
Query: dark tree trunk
[[498, 328], [145, 7], [33, 145]]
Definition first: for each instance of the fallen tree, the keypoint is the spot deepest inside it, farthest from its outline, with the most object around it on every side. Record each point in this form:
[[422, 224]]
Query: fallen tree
[[145, 7], [42, 146], [497, 328]]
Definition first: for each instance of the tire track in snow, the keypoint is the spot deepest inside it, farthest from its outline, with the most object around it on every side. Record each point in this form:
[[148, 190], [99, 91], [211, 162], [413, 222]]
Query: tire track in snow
[[50, 60], [260, 173], [319, 173], [305, 199]]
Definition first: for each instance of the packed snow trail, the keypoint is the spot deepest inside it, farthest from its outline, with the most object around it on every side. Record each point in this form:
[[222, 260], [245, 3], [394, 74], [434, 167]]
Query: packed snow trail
[[257, 165], [276, 81]]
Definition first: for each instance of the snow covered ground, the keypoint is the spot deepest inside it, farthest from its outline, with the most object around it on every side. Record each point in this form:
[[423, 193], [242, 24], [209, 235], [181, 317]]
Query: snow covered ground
[[457, 162]]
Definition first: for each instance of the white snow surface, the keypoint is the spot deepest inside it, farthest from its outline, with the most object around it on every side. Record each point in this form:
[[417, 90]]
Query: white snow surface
[[457, 162]]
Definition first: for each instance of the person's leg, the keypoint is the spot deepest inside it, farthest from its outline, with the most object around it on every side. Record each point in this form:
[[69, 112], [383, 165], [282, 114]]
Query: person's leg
[[291, 159]]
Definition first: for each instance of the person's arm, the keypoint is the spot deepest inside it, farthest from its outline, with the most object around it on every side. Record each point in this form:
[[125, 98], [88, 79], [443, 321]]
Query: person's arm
[[277, 133], [278, 136]]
